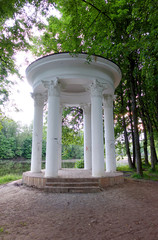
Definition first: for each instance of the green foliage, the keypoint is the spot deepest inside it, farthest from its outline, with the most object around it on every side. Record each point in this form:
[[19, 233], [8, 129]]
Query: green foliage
[[137, 176], [72, 151], [125, 168], [7, 147], [70, 137], [11, 167], [73, 117], [15, 28], [27, 147], [9, 178], [122, 31], [15, 141], [148, 173], [68, 164], [43, 149], [79, 164]]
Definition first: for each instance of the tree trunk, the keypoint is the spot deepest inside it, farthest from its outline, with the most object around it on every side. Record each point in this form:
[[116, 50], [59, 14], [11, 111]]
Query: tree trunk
[[145, 144], [130, 163], [142, 113], [152, 145], [135, 119], [132, 133]]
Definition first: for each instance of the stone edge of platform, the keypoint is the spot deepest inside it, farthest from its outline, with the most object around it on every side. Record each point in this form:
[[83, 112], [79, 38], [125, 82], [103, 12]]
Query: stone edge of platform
[[40, 181]]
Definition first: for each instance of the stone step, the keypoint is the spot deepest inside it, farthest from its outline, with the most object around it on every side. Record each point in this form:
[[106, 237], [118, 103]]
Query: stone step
[[58, 189], [72, 184], [72, 180]]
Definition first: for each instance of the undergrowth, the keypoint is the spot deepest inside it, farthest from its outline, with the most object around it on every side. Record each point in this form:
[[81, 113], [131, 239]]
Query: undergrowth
[[148, 173], [9, 178], [124, 168], [12, 171]]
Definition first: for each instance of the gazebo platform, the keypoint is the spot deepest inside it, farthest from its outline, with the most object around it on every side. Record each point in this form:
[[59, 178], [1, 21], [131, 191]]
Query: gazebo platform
[[72, 181]]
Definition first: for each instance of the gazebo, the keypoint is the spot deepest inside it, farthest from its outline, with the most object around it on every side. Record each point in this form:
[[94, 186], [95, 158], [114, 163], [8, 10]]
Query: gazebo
[[66, 79]]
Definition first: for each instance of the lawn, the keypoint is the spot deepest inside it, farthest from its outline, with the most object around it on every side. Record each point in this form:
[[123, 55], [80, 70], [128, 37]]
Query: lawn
[[11, 171], [148, 174]]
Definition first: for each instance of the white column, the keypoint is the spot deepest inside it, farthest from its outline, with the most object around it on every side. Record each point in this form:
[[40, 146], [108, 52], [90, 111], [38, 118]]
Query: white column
[[37, 133], [97, 131], [109, 133], [87, 136], [52, 129], [60, 139]]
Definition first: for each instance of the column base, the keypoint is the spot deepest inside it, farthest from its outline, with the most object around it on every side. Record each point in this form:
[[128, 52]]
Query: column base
[[50, 176]]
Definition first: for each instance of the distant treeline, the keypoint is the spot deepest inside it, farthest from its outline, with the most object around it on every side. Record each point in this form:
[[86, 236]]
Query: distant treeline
[[16, 142]]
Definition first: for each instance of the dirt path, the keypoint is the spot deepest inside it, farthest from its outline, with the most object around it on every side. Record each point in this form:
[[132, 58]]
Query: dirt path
[[125, 212]]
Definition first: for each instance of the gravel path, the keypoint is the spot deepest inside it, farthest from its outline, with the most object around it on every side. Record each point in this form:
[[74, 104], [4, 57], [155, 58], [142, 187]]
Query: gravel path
[[125, 212]]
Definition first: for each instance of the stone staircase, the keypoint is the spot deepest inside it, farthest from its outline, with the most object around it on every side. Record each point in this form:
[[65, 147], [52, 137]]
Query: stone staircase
[[72, 185]]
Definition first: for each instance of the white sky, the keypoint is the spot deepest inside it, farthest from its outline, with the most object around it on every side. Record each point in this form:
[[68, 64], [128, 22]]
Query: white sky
[[20, 93], [20, 96]]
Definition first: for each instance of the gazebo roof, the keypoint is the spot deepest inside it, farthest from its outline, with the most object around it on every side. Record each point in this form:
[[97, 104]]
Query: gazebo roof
[[75, 74]]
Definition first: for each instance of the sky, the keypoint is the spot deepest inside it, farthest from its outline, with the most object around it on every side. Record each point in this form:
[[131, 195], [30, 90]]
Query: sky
[[20, 94]]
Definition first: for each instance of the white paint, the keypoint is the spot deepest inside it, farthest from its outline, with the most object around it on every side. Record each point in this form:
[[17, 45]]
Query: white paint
[[97, 131], [60, 138], [37, 133], [68, 79], [52, 130], [87, 137], [109, 134]]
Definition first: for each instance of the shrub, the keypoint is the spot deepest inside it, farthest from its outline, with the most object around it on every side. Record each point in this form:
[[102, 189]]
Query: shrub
[[79, 164]]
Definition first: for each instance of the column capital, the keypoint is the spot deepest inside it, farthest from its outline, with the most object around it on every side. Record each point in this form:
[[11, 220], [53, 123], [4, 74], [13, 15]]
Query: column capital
[[97, 88], [39, 98], [86, 108], [108, 100], [53, 87]]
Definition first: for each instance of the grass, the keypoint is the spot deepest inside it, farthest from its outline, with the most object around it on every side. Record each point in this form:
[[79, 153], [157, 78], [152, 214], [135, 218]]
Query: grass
[[125, 168], [12, 171], [9, 178], [148, 174]]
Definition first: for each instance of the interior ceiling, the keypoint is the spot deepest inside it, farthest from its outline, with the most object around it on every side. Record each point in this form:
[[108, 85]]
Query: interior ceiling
[[73, 88]]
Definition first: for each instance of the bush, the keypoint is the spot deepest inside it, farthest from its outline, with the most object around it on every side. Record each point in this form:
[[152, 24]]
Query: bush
[[27, 148], [79, 164], [72, 152]]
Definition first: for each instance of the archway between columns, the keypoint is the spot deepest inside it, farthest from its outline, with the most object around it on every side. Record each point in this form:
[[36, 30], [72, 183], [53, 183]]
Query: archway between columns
[[64, 79], [72, 137]]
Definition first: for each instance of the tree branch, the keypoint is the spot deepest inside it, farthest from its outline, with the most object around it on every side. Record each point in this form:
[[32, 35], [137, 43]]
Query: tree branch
[[100, 11]]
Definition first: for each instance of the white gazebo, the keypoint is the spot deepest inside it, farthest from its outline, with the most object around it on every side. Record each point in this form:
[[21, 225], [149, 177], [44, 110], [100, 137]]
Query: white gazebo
[[71, 80]]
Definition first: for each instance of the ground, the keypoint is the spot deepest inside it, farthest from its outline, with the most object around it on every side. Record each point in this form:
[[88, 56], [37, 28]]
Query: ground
[[125, 212]]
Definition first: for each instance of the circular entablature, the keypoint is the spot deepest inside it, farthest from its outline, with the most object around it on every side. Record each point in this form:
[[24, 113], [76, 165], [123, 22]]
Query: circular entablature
[[75, 75]]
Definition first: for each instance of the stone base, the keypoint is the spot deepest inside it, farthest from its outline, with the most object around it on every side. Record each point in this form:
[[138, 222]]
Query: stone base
[[72, 180]]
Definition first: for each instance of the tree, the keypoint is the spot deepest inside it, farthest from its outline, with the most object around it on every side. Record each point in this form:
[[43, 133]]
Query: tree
[[17, 18], [72, 135], [15, 141], [122, 31]]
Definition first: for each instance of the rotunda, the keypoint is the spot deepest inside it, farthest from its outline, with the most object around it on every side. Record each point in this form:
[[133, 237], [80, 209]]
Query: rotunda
[[71, 80]]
